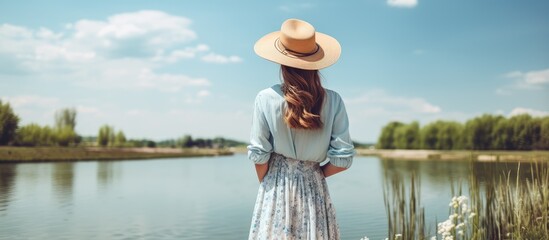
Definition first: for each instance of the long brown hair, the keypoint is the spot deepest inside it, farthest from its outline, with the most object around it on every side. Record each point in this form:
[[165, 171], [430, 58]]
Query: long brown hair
[[304, 96]]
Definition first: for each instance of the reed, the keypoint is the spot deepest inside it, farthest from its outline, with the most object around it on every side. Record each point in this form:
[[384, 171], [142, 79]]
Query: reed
[[516, 208], [504, 206], [405, 216]]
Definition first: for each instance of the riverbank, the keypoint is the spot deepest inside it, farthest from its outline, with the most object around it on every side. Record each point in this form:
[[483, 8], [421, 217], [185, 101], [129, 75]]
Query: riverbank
[[52, 154], [481, 156]]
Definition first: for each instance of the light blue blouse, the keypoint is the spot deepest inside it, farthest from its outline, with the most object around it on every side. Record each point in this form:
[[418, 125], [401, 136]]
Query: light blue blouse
[[271, 134]]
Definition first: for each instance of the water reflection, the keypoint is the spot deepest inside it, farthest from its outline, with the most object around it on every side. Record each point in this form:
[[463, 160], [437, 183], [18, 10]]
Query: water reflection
[[8, 173], [106, 173], [63, 181], [199, 198], [443, 173]]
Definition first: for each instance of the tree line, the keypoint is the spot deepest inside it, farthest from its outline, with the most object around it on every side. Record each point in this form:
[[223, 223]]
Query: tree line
[[63, 134], [486, 132]]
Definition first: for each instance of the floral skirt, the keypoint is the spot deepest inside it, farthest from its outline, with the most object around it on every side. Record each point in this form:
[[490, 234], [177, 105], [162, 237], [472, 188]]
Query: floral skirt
[[293, 202]]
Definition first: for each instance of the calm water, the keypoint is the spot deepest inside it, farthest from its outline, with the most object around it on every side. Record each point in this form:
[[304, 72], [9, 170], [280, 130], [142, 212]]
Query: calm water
[[193, 198]]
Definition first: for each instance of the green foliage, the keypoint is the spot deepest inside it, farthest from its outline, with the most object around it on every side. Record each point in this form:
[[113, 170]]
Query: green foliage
[[105, 137], [487, 132], [478, 132], [35, 135], [120, 139], [187, 141], [9, 123], [65, 118], [62, 135], [543, 141], [406, 136], [387, 137], [66, 136]]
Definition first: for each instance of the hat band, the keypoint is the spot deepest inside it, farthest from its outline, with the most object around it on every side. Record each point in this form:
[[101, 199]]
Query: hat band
[[291, 53]]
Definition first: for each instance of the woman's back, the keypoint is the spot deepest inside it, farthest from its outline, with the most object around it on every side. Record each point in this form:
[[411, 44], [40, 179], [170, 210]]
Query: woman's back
[[303, 144]]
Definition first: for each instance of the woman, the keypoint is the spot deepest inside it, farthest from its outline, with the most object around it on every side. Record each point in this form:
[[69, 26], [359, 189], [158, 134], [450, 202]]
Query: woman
[[296, 126]]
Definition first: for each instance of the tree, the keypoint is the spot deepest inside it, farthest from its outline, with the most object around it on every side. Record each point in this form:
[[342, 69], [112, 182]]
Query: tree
[[523, 131], [185, 141], [66, 136], [448, 135], [543, 142], [65, 124], [387, 137], [8, 124], [34, 135], [478, 132], [406, 136], [65, 118], [105, 136], [502, 135], [429, 136], [120, 139]]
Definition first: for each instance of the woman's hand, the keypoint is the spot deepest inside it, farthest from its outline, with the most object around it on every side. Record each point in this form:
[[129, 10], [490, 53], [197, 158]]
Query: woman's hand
[[329, 169], [261, 170]]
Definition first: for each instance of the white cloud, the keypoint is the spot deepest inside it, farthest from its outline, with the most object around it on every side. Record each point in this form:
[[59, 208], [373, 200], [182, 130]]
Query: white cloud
[[31, 101], [402, 3], [532, 112], [503, 92], [143, 28], [379, 101], [176, 55], [127, 50], [531, 79], [373, 109], [87, 110], [203, 93], [216, 58]]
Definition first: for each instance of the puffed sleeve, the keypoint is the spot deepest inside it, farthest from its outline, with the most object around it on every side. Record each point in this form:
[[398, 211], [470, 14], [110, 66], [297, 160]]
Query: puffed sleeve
[[260, 148], [341, 150]]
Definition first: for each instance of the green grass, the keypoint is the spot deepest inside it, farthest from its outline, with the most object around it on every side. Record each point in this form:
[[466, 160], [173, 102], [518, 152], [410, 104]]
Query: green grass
[[37, 154], [503, 207]]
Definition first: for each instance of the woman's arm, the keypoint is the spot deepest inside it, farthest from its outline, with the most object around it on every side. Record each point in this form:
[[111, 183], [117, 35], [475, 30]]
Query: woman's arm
[[329, 169], [261, 170], [260, 148]]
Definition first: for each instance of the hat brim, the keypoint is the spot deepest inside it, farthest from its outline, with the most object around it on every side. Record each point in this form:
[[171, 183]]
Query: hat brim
[[327, 54]]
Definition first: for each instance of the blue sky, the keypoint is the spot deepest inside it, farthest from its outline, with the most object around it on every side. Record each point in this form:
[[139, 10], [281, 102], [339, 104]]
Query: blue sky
[[162, 69]]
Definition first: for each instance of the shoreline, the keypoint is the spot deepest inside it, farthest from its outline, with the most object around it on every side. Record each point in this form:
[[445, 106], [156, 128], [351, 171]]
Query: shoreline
[[73, 154], [450, 155]]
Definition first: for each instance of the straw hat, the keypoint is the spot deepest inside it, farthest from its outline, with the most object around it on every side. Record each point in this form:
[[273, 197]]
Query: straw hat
[[298, 45]]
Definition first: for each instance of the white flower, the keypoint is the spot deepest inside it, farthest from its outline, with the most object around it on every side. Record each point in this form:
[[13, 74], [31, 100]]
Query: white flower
[[434, 238], [365, 238], [398, 236], [472, 215], [460, 232], [462, 199]]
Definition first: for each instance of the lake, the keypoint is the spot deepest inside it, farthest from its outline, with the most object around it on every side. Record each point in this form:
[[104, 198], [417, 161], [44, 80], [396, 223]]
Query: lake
[[197, 198]]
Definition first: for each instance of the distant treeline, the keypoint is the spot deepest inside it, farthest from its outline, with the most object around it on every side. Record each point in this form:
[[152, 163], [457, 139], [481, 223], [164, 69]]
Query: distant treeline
[[487, 132], [64, 134], [108, 137]]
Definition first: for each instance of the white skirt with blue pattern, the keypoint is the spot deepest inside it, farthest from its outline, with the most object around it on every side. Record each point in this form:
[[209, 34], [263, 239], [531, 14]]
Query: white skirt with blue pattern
[[293, 202]]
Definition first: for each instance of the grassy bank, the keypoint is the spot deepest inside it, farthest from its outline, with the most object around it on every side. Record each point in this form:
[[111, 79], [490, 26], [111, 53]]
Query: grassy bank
[[487, 156], [46, 154], [500, 207]]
